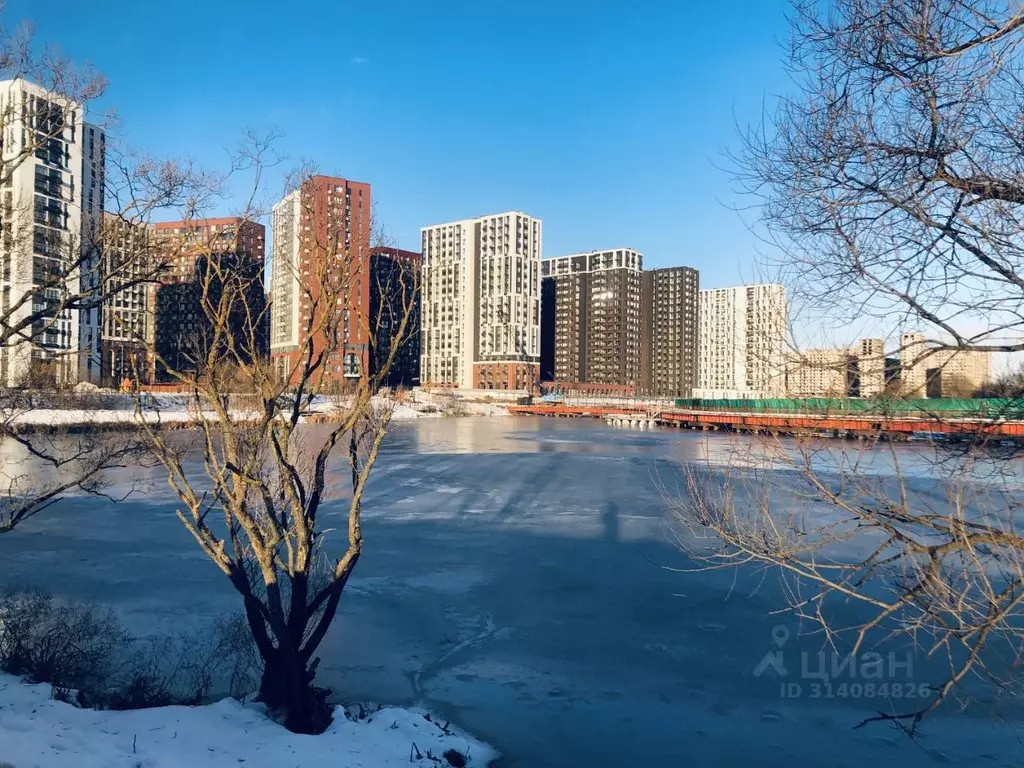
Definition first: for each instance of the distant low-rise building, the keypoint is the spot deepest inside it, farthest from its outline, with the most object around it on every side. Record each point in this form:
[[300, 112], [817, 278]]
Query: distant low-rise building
[[855, 371], [821, 373], [926, 371]]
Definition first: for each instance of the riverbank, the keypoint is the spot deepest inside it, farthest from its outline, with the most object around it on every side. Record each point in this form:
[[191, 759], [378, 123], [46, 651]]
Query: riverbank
[[38, 730], [173, 411]]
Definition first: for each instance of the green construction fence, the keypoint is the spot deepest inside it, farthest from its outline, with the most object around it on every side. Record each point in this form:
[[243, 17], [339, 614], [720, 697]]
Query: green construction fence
[[989, 408]]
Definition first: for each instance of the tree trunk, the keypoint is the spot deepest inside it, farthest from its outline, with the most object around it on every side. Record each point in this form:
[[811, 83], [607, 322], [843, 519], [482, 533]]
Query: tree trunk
[[287, 688]]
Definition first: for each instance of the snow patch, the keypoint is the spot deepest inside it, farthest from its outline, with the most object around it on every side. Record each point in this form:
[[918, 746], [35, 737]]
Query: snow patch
[[37, 731]]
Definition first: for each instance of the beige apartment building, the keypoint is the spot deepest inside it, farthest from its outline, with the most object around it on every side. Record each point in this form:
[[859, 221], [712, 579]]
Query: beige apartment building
[[480, 302], [821, 373], [855, 371], [942, 373], [869, 357]]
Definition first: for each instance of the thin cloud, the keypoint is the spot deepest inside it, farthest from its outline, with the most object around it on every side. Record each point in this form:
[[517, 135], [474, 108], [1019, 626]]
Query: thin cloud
[[359, 60]]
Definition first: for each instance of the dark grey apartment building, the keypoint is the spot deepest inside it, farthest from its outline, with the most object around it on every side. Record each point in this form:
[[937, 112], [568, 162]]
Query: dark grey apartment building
[[605, 321], [670, 331], [591, 318]]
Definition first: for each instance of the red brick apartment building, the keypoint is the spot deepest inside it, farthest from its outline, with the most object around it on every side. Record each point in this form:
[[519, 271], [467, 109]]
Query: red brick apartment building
[[321, 245], [181, 329]]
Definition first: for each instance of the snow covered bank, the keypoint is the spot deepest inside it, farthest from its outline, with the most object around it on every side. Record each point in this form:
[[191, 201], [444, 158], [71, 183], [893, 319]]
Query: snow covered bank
[[174, 410], [37, 731]]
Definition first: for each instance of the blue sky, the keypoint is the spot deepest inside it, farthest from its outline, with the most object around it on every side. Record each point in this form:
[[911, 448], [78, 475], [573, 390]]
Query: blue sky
[[606, 119]]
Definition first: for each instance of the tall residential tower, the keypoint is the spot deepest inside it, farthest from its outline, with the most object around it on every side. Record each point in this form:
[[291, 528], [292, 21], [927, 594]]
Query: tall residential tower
[[52, 200], [594, 324], [742, 342], [481, 302], [670, 331], [320, 279], [126, 339]]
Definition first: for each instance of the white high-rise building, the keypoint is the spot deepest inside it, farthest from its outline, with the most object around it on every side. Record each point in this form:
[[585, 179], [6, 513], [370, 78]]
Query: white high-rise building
[[741, 349], [480, 299], [52, 202], [286, 265]]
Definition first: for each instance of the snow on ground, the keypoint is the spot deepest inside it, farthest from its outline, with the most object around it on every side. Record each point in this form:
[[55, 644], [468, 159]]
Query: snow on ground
[[78, 417], [175, 409], [37, 731]]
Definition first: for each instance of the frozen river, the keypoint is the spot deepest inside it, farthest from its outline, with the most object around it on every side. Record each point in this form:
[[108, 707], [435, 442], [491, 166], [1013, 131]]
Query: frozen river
[[512, 581]]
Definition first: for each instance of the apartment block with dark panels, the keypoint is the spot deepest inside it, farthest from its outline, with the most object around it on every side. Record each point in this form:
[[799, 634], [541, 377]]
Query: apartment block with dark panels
[[594, 330], [670, 331], [207, 252], [394, 298], [547, 328]]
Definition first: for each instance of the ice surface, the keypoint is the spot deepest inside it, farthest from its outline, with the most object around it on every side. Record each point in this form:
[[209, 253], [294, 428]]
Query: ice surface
[[530, 606]]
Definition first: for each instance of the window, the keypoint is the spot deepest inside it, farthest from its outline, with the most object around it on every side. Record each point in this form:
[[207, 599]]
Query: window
[[351, 365]]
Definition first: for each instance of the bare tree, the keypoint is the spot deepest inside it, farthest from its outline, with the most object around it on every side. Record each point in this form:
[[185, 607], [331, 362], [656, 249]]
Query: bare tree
[[1009, 385], [887, 182], [255, 503], [57, 263], [890, 185]]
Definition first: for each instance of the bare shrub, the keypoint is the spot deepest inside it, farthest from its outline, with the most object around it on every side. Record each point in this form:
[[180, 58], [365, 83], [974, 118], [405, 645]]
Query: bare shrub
[[68, 646], [185, 669], [451, 406], [84, 652]]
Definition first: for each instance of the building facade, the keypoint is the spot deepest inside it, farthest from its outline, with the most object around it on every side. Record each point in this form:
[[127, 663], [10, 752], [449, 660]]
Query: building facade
[[128, 319], [670, 326], [90, 316], [742, 342], [870, 358], [822, 373], [481, 303], [595, 332], [320, 280], [201, 256], [855, 371], [394, 300], [449, 299], [52, 195], [942, 372], [912, 372]]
